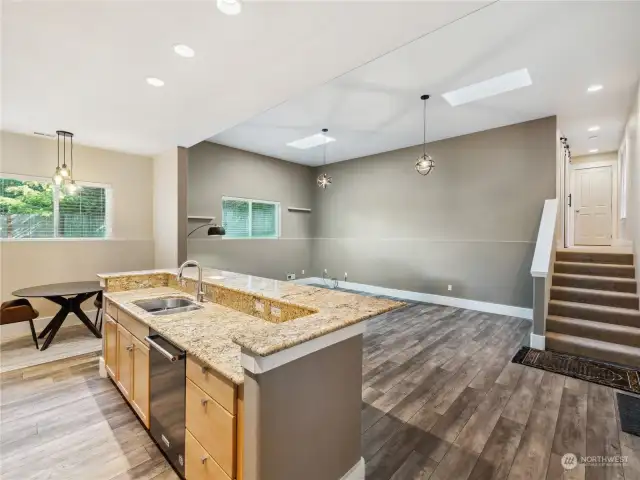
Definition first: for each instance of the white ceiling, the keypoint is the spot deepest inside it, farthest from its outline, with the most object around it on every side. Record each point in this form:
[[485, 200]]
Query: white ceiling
[[81, 66], [375, 108]]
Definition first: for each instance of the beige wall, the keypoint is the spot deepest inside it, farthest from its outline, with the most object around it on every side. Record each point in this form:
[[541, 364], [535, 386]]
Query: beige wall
[[472, 223], [630, 227], [170, 207], [216, 171], [33, 262]]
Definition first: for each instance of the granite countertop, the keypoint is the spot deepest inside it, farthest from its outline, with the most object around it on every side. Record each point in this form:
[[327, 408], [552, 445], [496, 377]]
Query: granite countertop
[[215, 334]]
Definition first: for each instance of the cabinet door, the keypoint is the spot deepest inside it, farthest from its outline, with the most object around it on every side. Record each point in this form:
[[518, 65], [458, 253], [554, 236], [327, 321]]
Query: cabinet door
[[125, 361], [110, 348], [198, 463], [140, 386]]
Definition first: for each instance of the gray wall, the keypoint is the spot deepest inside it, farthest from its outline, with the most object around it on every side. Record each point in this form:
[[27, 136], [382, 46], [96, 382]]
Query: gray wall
[[471, 223], [302, 420], [216, 171]]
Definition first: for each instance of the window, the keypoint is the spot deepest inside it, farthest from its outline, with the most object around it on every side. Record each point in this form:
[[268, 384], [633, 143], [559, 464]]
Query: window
[[32, 207], [244, 218]]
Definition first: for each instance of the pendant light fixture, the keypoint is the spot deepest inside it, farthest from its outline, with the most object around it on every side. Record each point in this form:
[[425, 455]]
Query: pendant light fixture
[[324, 180], [64, 174], [425, 163]]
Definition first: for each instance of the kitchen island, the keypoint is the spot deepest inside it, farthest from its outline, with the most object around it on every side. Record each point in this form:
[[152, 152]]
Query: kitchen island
[[272, 377]]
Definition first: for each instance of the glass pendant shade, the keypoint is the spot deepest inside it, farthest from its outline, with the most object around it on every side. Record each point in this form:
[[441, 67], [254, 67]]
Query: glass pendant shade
[[57, 177], [72, 187], [324, 180], [425, 164], [64, 171]]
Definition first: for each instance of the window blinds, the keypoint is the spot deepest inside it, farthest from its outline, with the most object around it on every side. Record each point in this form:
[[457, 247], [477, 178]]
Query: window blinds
[[250, 218]]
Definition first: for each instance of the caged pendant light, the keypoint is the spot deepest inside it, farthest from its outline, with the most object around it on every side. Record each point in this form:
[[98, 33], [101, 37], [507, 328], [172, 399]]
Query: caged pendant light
[[324, 180], [425, 163]]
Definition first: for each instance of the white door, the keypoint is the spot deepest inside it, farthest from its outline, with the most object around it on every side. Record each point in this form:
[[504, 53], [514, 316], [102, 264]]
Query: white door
[[592, 207]]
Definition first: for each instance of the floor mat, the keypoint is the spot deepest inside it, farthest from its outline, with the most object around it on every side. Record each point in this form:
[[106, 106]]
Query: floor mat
[[603, 373]]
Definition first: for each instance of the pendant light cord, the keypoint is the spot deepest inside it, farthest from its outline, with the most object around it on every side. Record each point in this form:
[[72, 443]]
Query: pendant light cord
[[424, 123], [71, 169], [58, 151]]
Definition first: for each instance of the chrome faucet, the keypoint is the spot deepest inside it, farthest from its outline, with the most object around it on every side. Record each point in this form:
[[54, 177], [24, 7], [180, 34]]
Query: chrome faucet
[[199, 291]]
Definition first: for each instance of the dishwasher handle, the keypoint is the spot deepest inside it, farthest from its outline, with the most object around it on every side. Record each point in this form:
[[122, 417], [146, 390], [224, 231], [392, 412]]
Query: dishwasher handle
[[163, 351]]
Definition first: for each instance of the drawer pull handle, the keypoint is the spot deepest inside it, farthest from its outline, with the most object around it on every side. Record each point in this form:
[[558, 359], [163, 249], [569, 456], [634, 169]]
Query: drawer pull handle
[[203, 459], [204, 402], [205, 370], [129, 348]]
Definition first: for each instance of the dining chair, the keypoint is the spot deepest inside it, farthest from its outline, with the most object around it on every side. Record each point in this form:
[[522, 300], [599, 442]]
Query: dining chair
[[20, 310], [99, 312]]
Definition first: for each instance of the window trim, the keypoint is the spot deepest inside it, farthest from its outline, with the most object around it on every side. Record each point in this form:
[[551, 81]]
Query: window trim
[[108, 217], [250, 201]]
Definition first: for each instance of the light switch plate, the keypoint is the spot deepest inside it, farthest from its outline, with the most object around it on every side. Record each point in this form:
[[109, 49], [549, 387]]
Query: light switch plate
[[291, 276], [259, 306]]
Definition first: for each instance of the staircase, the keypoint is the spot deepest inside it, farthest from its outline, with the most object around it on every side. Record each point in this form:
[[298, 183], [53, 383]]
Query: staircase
[[593, 307]]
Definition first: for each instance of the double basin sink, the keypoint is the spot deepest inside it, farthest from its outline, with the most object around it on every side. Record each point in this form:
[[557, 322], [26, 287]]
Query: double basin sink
[[167, 306]]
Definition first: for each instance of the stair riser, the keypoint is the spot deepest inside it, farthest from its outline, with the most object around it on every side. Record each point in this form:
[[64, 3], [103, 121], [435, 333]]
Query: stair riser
[[595, 299], [586, 351], [585, 331], [611, 258], [631, 319], [595, 284], [623, 272]]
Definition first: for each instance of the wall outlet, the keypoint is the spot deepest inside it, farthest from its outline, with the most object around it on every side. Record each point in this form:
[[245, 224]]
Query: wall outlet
[[345, 276], [450, 287], [275, 311], [291, 276], [302, 272], [326, 272], [259, 306]]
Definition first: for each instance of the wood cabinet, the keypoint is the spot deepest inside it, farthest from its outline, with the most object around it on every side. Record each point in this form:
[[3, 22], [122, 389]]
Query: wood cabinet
[[110, 346], [213, 427], [140, 380], [198, 463], [124, 373]]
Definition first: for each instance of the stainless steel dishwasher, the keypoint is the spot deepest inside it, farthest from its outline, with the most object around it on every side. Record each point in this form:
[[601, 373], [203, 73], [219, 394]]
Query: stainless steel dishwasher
[[167, 385]]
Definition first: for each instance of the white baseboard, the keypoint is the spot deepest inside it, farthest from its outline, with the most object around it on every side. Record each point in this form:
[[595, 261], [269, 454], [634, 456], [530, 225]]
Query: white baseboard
[[22, 329], [537, 341], [497, 308], [356, 472]]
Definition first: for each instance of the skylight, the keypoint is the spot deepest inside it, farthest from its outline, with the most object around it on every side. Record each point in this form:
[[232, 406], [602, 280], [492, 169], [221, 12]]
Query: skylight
[[311, 141], [489, 88]]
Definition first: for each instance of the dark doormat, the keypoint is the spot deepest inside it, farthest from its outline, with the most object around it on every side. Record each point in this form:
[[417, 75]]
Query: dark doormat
[[629, 408], [603, 373]]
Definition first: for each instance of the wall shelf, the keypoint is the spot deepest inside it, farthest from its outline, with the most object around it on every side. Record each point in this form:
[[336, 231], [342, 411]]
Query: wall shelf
[[200, 217]]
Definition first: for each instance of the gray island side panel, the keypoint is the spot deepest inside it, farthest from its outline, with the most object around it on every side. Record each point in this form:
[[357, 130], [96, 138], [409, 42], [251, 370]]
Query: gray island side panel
[[302, 420]]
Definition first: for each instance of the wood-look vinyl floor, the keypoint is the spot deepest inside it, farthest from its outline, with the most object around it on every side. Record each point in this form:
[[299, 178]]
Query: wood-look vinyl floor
[[441, 400]]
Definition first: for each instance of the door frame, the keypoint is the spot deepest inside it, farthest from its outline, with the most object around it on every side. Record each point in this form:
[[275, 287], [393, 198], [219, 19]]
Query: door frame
[[613, 164]]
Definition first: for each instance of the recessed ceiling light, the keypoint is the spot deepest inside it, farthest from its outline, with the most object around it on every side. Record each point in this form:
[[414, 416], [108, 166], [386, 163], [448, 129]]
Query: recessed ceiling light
[[595, 128], [184, 51], [489, 88], [593, 137], [155, 82], [594, 88], [311, 141], [229, 7], [594, 150]]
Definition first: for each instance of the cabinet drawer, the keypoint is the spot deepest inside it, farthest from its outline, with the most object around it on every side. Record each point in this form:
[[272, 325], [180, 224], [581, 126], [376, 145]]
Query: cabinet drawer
[[111, 309], [213, 427], [137, 328], [221, 389], [198, 463]]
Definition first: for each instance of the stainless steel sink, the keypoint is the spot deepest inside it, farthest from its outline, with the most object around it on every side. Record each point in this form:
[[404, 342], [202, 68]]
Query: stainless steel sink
[[167, 306]]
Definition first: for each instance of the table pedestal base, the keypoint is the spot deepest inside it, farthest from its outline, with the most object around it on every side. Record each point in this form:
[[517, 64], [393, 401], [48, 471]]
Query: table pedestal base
[[68, 305]]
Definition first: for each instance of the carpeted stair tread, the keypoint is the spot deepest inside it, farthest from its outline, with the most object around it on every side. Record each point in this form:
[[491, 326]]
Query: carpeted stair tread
[[608, 332], [600, 313], [595, 282], [589, 347], [595, 257], [598, 269], [596, 297]]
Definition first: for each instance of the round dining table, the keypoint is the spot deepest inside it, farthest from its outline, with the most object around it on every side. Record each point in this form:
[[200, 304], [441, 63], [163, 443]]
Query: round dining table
[[69, 296]]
